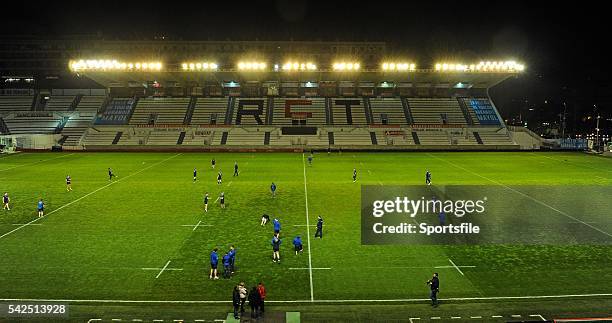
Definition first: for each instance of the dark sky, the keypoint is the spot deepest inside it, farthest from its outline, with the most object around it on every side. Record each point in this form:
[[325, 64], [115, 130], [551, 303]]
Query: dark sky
[[562, 44]]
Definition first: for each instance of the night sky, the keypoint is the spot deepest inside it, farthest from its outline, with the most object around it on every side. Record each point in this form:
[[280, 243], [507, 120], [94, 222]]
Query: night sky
[[562, 45]]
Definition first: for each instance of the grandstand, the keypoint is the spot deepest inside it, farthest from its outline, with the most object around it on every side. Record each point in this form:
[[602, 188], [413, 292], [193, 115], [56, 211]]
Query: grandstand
[[232, 107]]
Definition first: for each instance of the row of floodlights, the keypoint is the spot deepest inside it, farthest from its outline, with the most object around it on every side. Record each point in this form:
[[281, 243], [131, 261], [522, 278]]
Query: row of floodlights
[[114, 65], [507, 66]]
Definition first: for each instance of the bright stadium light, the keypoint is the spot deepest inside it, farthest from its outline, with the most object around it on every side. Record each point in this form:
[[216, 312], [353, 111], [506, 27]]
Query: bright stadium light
[[199, 66], [483, 66], [111, 65], [252, 66], [299, 66], [398, 66], [346, 66]]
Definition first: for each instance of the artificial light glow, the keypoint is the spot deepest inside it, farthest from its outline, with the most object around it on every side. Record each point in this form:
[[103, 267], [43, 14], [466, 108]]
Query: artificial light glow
[[483, 66], [346, 66], [398, 66], [299, 66], [252, 66]]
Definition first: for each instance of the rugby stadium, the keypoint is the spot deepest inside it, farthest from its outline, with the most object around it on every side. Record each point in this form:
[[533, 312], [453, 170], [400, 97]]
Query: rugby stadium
[[126, 164]]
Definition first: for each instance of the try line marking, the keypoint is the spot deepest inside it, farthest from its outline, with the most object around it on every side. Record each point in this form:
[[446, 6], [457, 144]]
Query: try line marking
[[308, 231], [86, 195], [525, 195], [34, 163], [303, 301]]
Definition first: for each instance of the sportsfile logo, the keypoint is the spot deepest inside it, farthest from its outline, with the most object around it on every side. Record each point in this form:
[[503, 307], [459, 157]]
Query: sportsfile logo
[[414, 207]]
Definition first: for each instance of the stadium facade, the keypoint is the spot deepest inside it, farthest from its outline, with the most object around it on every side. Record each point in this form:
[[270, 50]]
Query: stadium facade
[[84, 94]]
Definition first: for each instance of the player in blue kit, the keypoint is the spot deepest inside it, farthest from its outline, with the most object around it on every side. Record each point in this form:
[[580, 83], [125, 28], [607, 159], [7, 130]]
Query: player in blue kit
[[297, 245], [41, 208], [310, 159], [277, 226], [276, 242], [214, 261], [273, 189]]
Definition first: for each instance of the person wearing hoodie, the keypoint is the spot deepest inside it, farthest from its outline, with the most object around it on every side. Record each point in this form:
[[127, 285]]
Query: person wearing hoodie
[[236, 302], [254, 301], [226, 266], [297, 244], [262, 296], [243, 296]]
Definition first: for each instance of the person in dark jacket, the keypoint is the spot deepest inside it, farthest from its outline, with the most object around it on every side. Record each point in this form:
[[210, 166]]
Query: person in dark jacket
[[226, 266], [434, 285], [254, 302], [236, 302], [319, 232]]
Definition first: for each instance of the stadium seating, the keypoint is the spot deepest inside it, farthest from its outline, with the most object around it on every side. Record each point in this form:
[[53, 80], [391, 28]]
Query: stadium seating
[[90, 103], [89, 120], [163, 137], [436, 111], [10, 103], [33, 123], [389, 108], [243, 137], [311, 110], [343, 117], [59, 103], [160, 111], [352, 137], [209, 111], [76, 126], [116, 112], [495, 138], [434, 137]]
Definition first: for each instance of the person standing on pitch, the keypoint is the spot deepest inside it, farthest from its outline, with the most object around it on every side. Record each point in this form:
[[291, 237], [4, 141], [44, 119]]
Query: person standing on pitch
[[41, 208], [214, 261], [319, 232], [254, 302], [222, 200], [427, 177], [236, 302], [243, 296], [68, 183], [310, 159], [434, 285], [262, 294], [273, 189], [195, 174], [219, 178], [226, 266], [297, 244], [110, 174], [206, 202], [232, 254], [235, 168], [277, 226], [213, 163], [276, 242], [5, 202]]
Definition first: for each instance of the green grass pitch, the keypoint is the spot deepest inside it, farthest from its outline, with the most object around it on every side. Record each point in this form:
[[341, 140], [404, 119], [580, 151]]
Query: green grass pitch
[[107, 241]]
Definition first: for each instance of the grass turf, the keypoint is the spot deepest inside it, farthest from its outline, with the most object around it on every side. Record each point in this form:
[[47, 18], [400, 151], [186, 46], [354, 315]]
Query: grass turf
[[99, 237]]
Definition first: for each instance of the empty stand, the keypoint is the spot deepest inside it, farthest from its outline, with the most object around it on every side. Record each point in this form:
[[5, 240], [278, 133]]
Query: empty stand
[[59, 103], [116, 112], [209, 111], [433, 137], [352, 137], [436, 111], [294, 111], [151, 111], [387, 111], [10, 103], [348, 112], [161, 137]]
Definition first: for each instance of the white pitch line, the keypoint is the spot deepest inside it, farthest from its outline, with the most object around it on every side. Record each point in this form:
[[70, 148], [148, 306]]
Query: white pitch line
[[538, 315], [308, 231], [26, 224], [86, 195], [413, 318], [193, 225], [167, 269], [475, 317], [310, 268], [230, 183], [496, 316], [459, 270], [196, 226], [166, 266], [35, 163], [525, 195], [305, 301]]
